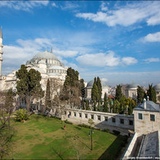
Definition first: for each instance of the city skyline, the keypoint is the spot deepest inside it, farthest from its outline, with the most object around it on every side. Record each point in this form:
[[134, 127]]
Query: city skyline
[[115, 40]]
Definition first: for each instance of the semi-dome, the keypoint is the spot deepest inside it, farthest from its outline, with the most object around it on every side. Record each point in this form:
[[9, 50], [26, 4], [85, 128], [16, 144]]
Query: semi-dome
[[157, 87]]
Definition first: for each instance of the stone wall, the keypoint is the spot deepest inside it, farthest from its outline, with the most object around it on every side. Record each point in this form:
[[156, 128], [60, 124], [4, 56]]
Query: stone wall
[[119, 122]]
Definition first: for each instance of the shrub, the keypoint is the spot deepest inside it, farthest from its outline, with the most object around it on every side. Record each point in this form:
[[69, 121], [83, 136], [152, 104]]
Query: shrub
[[21, 115], [84, 125]]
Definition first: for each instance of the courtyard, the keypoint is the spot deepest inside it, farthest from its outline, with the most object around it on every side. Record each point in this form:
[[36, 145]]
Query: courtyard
[[50, 138]]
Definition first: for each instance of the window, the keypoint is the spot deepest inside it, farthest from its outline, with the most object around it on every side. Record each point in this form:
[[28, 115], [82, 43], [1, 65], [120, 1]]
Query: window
[[140, 116], [113, 120], [86, 115], [152, 117], [122, 121], [99, 118], [75, 114], [131, 122], [92, 116], [80, 115], [106, 118]]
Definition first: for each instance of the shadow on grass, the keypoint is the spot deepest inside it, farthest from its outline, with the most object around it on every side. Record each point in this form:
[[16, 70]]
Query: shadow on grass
[[78, 138], [114, 150], [58, 153]]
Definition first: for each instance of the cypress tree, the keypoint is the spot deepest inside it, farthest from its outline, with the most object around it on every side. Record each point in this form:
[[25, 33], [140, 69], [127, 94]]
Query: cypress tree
[[151, 93], [119, 94], [98, 83], [48, 96], [140, 94], [105, 103]]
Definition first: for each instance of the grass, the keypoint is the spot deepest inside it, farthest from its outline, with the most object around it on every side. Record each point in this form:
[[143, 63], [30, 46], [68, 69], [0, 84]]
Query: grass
[[44, 138]]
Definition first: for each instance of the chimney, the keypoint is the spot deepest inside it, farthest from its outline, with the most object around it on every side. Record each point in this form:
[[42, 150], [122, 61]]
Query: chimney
[[144, 103]]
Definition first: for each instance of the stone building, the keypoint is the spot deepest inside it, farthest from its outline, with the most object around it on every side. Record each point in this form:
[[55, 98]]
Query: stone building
[[157, 89], [146, 117], [130, 90]]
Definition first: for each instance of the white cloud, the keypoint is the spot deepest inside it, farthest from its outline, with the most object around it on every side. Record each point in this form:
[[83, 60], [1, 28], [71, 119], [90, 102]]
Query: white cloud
[[129, 60], [126, 15], [104, 6], [68, 5], [150, 60], [23, 5], [102, 60], [99, 59], [152, 37]]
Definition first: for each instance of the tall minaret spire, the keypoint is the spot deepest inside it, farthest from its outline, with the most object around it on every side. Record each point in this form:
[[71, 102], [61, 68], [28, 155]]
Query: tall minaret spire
[[1, 51]]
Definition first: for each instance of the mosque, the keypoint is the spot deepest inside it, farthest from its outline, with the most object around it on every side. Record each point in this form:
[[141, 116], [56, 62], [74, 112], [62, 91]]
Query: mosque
[[45, 62]]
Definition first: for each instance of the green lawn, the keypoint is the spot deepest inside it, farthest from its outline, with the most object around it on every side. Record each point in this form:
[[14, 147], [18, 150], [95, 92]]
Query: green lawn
[[44, 138]]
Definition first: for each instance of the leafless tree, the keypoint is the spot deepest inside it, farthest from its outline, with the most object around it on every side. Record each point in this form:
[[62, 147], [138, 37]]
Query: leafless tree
[[6, 131]]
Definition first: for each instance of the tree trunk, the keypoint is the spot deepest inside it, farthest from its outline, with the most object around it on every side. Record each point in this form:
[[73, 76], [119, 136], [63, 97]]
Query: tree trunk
[[28, 101]]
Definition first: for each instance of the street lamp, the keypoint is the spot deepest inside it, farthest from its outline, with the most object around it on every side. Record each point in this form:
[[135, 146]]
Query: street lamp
[[90, 134]]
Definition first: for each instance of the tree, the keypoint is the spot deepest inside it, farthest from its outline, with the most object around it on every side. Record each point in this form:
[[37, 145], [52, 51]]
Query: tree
[[99, 86], [72, 88], [9, 100], [94, 93], [131, 105], [28, 85], [6, 130], [116, 106], [105, 105], [48, 96], [140, 94], [119, 94], [151, 92]]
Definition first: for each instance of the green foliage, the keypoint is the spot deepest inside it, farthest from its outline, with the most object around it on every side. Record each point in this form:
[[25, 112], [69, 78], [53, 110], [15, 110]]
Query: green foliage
[[105, 106], [21, 115], [151, 93], [72, 88], [91, 122], [119, 94], [96, 92], [28, 84], [140, 94], [99, 86]]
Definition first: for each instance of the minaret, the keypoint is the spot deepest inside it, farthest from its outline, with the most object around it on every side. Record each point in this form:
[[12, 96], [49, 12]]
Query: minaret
[[1, 51]]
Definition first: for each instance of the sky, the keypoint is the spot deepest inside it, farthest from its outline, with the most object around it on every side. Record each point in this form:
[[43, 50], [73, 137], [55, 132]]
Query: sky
[[118, 41]]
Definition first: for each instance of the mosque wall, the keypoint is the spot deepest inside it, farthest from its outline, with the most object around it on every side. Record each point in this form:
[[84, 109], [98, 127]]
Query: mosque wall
[[102, 120]]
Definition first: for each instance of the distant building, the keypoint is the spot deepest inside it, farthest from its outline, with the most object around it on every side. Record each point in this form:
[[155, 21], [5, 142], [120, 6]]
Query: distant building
[[157, 89], [130, 90]]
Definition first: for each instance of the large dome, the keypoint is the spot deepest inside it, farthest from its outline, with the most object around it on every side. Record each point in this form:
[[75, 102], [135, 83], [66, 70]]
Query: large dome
[[157, 87], [133, 85], [45, 55]]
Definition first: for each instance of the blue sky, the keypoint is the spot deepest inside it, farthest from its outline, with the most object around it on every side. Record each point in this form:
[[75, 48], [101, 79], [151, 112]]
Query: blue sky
[[116, 40]]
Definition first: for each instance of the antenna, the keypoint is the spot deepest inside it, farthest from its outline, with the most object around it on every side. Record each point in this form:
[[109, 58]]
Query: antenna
[[51, 50]]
